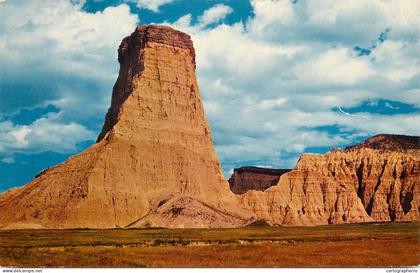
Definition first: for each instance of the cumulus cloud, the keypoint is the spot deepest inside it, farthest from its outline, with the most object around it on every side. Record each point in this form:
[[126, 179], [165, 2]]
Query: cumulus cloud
[[335, 66], [271, 86], [53, 53], [214, 15], [152, 5], [45, 134]]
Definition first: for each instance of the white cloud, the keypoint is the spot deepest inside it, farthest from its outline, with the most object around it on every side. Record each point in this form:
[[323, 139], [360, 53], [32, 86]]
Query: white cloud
[[335, 66], [214, 15], [269, 13], [55, 53], [272, 103], [75, 41], [44, 134], [152, 5], [20, 135], [398, 59], [267, 84]]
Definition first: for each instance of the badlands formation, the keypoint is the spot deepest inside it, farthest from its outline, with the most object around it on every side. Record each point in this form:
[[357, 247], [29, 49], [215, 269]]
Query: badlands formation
[[377, 180], [154, 164]]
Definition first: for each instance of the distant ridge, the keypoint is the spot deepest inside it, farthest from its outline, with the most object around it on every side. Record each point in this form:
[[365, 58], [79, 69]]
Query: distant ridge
[[388, 142]]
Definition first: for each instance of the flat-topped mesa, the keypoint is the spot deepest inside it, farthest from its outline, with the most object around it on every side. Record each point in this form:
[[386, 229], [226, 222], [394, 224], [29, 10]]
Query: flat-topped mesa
[[132, 63], [248, 178], [261, 170]]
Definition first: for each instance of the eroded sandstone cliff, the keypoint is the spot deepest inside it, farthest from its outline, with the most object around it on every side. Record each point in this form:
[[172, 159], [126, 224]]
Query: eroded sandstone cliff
[[362, 183], [154, 161]]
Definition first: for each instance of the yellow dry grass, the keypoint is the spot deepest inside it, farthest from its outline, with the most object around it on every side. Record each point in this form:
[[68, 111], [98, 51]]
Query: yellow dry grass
[[392, 244]]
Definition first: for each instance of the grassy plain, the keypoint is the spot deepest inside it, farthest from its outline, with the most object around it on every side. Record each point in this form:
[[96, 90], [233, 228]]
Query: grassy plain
[[351, 245]]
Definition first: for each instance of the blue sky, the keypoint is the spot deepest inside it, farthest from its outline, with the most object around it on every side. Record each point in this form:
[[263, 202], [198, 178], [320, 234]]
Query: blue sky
[[277, 77]]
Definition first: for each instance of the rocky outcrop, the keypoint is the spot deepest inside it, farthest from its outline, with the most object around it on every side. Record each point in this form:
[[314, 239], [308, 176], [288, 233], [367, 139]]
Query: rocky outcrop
[[254, 178], [358, 184], [153, 157]]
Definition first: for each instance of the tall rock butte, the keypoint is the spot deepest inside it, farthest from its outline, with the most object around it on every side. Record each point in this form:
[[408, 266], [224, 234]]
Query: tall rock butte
[[154, 164]]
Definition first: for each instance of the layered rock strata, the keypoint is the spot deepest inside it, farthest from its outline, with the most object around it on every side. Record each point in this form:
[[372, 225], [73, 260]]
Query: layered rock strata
[[358, 184], [154, 160]]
